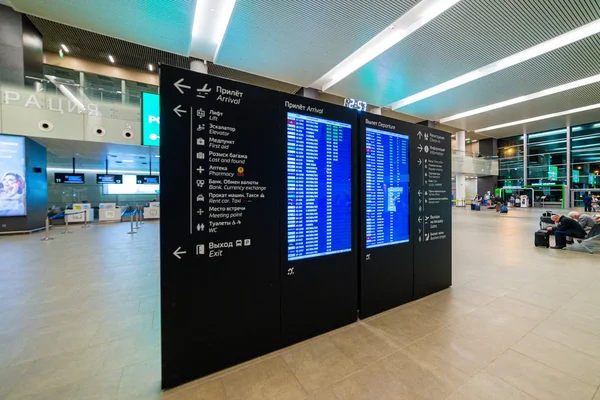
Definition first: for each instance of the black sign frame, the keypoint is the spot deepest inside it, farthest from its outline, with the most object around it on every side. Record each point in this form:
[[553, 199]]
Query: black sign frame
[[142, 179], [59, 177], [116, 179], [319, 294], [386, 272]]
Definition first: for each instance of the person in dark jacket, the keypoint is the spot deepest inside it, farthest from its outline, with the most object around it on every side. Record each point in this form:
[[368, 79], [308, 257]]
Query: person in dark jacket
[[565, 226], [587, 202]]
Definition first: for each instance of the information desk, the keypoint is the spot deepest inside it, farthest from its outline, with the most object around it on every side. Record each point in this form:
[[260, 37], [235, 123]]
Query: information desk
[[152, 211], [77, 214], [109, 212]]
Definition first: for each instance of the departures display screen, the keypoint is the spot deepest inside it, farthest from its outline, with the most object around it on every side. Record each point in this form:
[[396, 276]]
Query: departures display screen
[[319, 179], [387, 186]]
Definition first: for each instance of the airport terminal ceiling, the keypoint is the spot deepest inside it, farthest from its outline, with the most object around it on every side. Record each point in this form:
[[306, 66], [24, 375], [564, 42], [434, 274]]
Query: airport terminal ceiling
[[481, 52]]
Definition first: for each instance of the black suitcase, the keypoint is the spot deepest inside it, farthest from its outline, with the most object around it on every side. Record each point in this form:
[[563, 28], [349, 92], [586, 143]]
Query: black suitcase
[[542, 238]]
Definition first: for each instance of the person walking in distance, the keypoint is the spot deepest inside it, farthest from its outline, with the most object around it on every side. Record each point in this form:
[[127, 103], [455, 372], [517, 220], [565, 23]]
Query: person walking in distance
[[587, 202]]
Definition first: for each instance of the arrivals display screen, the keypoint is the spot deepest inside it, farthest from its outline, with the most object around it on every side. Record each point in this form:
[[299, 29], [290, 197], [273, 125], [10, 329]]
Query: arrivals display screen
[[71, 179], [12, 177], [109, 179], [387, 184], [319, 217]]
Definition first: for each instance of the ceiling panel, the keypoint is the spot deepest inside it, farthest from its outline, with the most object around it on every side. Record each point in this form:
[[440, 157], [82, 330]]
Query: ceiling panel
[[579, 97], [575, 61], [160, 24], [471, 34], [585, 117], [95, 47], [299, 41]]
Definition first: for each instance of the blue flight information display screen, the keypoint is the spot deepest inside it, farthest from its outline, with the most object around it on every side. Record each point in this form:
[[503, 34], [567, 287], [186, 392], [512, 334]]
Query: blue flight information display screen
[[319, 179], [387, 177]]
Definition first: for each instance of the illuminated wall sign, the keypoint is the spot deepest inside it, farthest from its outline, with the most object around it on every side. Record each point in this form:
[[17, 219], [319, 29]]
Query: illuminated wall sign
[[150, 119], [12, 176], [552, 173], [575, 176], [355, 104]]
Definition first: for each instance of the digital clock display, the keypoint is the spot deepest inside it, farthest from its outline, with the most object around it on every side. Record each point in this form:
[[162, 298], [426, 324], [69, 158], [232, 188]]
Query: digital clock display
[[355, 104]]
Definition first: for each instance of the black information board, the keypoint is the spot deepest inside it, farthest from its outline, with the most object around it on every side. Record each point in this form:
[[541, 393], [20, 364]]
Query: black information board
[[70, 178], [431, 186], [319, 281], [264, 222], [147, 179], [220, 228], [109, 179], [386, 272]]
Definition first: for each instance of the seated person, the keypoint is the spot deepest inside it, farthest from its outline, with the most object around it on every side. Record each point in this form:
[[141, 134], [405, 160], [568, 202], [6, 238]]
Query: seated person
[[586, 222], [565, 226]]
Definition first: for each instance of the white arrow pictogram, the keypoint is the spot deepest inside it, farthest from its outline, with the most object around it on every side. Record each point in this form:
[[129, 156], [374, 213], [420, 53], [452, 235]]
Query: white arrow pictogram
[[179, 110], [177, 253], [179, 86]]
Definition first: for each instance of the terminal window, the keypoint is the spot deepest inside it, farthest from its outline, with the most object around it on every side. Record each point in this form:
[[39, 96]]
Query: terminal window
[[319, 179], [387, 184]]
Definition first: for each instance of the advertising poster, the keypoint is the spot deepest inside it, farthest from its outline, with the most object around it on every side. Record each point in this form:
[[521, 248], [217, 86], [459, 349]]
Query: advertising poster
[[12, 176], [150, 119]]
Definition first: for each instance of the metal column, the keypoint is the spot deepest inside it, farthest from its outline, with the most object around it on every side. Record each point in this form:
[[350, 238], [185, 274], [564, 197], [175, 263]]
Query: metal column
[[568, 199], [525, 153], [460, 177]]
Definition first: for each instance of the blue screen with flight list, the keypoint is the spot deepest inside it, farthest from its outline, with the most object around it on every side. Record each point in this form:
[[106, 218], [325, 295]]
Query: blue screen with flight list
[[319, 192], [387, 184]]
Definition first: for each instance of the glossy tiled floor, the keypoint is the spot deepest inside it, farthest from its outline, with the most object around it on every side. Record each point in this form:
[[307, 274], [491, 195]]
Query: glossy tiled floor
[[79, 319]]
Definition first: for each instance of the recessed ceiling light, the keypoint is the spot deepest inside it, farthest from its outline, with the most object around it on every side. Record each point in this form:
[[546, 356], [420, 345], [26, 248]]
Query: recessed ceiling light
[[64, 48], [413, 19], [211, 18], [474, 141], [539, 118], [467, 139], [157, 156], [127, 160], [545, 47], [520, 99], [151, 67], [111, 58]]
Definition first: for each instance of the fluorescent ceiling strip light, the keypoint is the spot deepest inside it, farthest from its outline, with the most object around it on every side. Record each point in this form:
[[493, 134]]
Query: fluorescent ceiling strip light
[[559, 41], [413, 19], [539, 118], [111, 58], [521, 99], [64, 48], [211, 18]]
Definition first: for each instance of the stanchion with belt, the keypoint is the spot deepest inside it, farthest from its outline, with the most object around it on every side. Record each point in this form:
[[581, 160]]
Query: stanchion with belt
[[137, 218], [66, 225], [131, 232], [47, 238], [85, 220]]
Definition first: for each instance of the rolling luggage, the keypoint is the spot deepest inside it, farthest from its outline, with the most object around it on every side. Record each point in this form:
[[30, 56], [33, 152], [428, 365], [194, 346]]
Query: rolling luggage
[[503, 210], [475, 207], [542, 238]]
